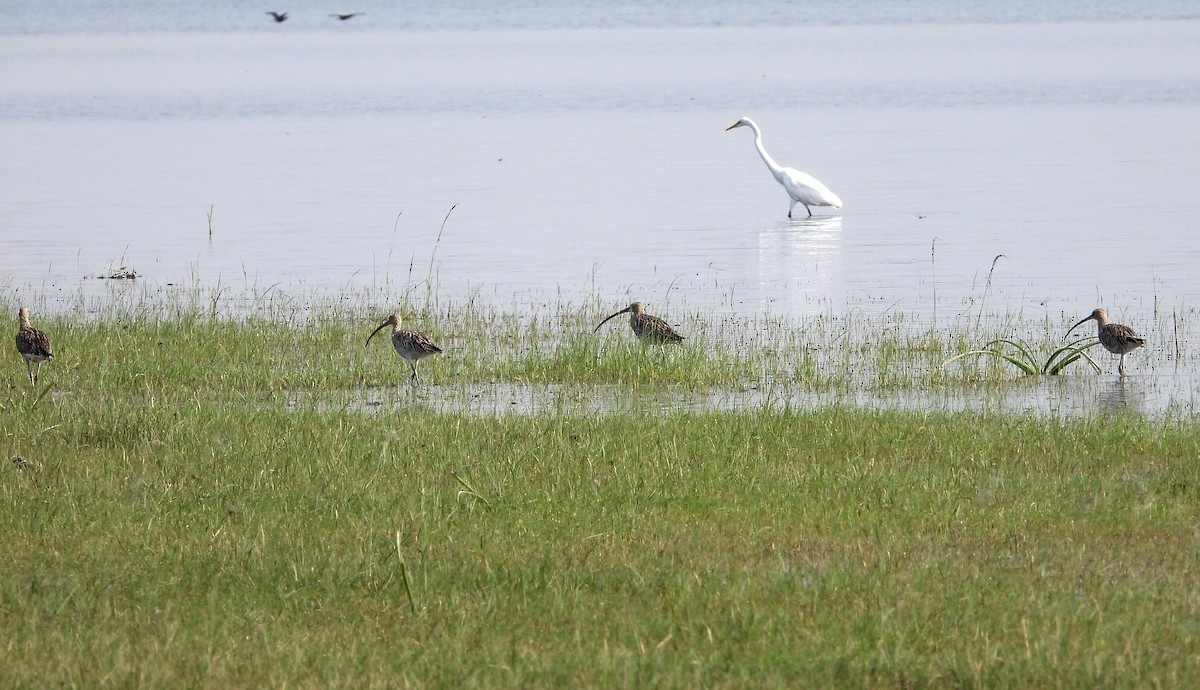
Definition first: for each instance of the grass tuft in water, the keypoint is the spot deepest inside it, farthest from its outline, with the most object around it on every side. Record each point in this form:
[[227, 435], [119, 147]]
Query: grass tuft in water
[[1021, 355]]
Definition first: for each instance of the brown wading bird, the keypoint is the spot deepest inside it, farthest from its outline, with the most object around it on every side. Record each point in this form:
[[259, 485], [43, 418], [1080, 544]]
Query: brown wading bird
[[648, 329], [411, 345], [1117, 339], [279, 16], [33, 345]]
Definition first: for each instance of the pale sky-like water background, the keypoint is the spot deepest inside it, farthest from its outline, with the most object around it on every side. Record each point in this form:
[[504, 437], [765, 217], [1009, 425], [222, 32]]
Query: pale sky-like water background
[[584, 145]]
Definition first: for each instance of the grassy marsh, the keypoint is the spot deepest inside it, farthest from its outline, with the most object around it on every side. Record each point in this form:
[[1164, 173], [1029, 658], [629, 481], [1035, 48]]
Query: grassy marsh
[[178, 524], [295, 343]]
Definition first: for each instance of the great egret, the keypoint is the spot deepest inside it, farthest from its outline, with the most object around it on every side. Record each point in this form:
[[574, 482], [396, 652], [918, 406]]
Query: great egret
[[800, 186], [33, 345], [648, 329], [412, 346], [1117, 339]]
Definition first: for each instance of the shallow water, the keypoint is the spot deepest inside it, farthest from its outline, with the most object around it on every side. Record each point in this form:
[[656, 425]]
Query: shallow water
[[1060, 397], [582, 148]]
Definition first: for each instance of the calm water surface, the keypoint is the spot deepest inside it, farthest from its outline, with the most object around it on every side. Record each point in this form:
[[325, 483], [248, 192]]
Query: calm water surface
[[582, 146], [1059, 397]]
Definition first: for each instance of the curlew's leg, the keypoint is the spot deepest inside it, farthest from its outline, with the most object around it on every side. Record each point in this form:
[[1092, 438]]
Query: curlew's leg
[[413, 366], [1121, 366], [32, 376]]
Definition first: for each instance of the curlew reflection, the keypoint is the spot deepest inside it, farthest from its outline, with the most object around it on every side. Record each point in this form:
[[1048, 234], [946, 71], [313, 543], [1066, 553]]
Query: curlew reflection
[[1123, 395]]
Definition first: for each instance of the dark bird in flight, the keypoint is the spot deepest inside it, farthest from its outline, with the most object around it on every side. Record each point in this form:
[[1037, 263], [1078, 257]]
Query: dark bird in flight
[[279, 16], [344, 17]]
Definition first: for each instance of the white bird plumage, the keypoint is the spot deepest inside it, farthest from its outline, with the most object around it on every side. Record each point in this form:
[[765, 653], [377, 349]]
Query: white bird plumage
[[800, 186]]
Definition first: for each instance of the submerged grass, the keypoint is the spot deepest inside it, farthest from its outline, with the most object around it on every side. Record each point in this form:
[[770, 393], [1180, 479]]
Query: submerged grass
[[275, 341], [174, 522], [583, 359]]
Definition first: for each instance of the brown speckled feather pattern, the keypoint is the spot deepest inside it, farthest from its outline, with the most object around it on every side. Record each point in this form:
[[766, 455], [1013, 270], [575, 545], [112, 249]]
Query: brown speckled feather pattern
[[648, 329], [33, 344], [1119, 339], [1114, 337], [653, 329], [412, 346]]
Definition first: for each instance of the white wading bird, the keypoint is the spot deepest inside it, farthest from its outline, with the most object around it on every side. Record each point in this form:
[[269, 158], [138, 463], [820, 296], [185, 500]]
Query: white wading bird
[[800, 186]]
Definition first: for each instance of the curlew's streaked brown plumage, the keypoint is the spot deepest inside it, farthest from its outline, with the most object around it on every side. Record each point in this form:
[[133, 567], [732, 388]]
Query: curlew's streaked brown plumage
[[1117, 339], [412, 346], [34, 346], [648, 329]]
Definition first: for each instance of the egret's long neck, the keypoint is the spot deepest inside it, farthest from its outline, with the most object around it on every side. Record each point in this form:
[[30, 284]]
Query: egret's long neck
[[775, 168]]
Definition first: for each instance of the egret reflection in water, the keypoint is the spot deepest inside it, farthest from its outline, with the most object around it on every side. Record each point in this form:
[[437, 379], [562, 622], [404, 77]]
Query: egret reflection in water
[[804, 255]]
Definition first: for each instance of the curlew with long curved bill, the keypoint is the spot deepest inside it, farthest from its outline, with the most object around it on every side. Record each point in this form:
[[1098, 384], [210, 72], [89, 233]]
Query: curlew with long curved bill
[[412, 346], [648, 329], [1117, 339], [278, 16], [34, 346]]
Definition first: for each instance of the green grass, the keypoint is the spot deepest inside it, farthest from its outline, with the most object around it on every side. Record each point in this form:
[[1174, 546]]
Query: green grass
[[585, 359], [166, 543], [182, 525], [1019, 354]]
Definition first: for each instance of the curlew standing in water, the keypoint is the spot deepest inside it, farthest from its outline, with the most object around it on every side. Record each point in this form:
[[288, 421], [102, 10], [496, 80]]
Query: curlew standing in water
[[410, 345], [34, 346], [648, 329], [278, 16], [1117, 339]]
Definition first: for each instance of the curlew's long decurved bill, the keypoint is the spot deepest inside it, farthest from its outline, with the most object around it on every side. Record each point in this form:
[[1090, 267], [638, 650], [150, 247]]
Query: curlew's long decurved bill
[[381, 327], [1081, 322], [626, 310]]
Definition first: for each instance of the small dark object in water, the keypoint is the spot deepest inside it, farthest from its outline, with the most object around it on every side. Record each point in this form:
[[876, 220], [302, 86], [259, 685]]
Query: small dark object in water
[[121, 273]]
